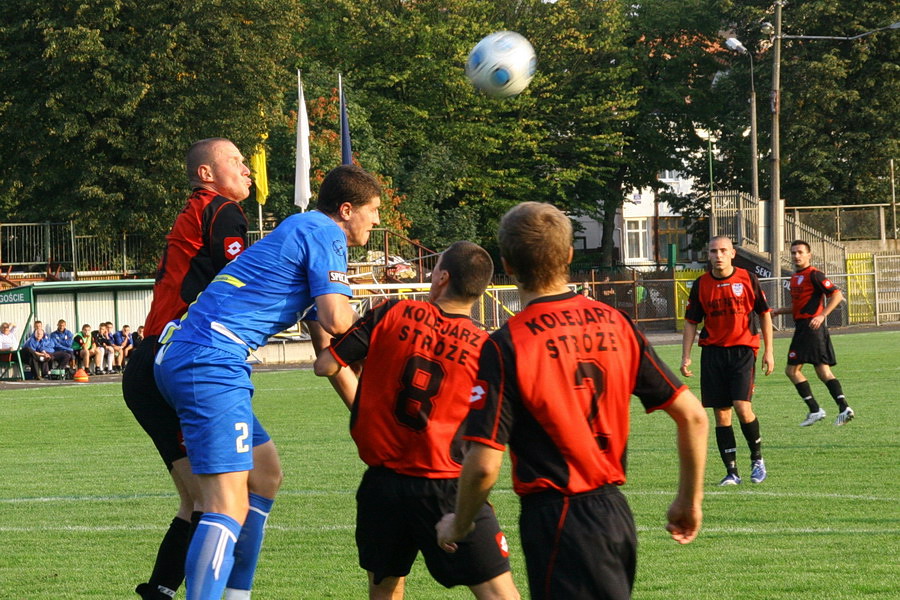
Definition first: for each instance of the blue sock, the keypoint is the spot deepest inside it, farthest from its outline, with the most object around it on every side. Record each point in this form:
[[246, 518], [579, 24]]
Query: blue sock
[[210, 556], [246, 551]]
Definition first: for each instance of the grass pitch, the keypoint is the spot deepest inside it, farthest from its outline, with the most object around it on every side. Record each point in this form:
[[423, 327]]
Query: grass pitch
[[84, 499]]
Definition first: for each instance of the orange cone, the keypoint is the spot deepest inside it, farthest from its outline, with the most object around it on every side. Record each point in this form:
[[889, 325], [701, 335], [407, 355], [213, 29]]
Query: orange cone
[[80, 376]]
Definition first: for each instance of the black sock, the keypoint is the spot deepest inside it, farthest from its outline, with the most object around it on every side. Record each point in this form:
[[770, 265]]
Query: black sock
[[806, 393], [754, 441], [168, 572], [834, 387], [727, 448]]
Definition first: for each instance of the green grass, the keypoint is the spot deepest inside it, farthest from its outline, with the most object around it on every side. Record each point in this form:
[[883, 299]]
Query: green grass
[[84, 499]]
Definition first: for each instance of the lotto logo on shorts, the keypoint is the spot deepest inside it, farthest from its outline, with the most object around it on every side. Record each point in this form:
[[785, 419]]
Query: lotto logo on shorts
[[337, 276], [233, 246], [503, 544], [792, 354]]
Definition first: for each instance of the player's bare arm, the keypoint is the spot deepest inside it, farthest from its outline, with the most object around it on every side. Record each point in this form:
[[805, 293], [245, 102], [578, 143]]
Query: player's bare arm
[[769, 353], [833, 301], [342, 379], [687, 342], [335, 313], [685, 514], [481, 468]]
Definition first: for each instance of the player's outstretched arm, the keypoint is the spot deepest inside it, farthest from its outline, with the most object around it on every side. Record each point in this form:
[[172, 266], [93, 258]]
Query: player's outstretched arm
[[685, 514], [481, 468]]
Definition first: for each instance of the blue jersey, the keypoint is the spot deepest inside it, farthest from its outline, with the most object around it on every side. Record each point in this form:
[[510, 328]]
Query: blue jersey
[[270, 285]]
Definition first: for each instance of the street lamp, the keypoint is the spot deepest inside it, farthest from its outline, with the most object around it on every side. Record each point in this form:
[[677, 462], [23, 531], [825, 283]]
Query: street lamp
[[736, 45], [777, 204], [709, 138]]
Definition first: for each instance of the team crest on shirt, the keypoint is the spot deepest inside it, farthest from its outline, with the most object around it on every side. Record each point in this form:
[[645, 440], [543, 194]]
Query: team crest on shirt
[[738, 289], [503, 544], [339, 248], [233, 246], [338, 277], [477, 395], [827, 283]]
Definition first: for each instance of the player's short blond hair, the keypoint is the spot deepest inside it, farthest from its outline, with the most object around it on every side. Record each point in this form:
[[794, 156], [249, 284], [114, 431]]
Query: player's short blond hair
[[535, 239]]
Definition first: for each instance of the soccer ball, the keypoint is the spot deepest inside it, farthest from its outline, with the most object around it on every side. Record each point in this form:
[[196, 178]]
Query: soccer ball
[[502, 64]]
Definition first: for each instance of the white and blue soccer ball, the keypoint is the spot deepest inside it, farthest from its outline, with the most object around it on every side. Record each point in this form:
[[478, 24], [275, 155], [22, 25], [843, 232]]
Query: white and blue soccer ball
[[501, 64]]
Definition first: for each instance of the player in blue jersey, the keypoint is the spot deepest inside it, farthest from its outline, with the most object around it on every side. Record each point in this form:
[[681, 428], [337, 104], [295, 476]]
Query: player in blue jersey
[[202, 370]]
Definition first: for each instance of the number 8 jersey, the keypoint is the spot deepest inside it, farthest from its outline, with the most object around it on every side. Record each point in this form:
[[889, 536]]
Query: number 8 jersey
[[564, 370], [414, 392]]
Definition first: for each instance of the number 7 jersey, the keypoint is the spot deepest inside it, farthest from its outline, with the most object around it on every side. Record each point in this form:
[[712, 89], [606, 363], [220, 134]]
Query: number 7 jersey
[[555, 384], [414, 392]]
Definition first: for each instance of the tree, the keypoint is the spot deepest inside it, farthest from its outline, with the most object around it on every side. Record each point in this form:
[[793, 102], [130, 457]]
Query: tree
[[99, 101]]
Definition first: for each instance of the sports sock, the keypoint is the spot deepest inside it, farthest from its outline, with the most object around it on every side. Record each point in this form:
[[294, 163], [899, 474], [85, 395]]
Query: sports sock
[[168, 571], [806, 393], [210, 556], [754, 441], [834, 387], [727, 448], [246, 550]]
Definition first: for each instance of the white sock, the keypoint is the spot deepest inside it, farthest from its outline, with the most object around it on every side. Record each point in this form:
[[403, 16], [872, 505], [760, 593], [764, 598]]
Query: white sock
[[233, 594]]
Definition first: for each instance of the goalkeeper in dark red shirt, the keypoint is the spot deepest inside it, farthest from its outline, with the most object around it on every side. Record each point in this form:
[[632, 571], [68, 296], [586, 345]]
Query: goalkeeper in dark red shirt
[[421, 359], [555, 384], [811, 343]]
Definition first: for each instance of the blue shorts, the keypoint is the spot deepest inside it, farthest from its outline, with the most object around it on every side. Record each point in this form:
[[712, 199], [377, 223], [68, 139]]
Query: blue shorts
[[211, 391]]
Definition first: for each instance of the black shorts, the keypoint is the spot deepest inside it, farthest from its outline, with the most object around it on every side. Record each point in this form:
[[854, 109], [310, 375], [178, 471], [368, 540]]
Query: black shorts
[[395, 519], [150, 409], [811, 346], [581, 547], [726, 375]]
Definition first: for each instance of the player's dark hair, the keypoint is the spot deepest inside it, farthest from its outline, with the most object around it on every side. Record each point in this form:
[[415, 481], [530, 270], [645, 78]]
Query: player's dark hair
[[535, 239], [470, 268], [201, 152], [346, 183], [801, 243]]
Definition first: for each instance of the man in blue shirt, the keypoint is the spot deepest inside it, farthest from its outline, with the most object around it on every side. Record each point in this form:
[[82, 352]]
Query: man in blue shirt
[[38, 349], [62, 345], [202, 370]]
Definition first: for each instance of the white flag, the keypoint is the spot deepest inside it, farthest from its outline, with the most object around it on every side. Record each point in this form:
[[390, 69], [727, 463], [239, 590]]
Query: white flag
[[302, 193]]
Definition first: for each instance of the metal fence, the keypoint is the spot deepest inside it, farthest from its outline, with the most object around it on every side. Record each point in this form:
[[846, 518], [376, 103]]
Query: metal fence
[[856, 222], [736, 215], [41, 249]]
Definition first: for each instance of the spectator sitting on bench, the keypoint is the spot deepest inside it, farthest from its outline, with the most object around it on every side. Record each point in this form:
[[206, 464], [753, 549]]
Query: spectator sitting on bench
[[105, 347], [122, 339], [38, 350], [62, 345], [8, 339], [86, 349]]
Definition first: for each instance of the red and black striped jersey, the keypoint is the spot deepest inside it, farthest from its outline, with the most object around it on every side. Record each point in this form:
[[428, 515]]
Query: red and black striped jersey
[[210, 232], [727, 307], [808, 288], [414, 392], [555, 383]]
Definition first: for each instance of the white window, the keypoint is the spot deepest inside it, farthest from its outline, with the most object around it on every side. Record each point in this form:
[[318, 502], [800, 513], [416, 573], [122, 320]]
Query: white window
[[636, 239]]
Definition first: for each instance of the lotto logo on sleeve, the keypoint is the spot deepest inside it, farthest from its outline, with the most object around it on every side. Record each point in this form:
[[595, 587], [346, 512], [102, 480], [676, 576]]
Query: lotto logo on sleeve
[[338, 277], [233, 246], [477, 395]]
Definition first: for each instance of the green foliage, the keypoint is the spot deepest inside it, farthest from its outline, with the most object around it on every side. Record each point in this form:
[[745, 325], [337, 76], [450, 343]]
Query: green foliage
[[99, 100], [85, 499]]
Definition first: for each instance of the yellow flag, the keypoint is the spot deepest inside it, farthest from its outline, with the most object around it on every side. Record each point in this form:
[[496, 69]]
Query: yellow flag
[[260, 177]]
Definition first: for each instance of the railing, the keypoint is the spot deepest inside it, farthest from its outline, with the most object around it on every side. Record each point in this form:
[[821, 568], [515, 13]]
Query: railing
[[828, 254], [854, 222], [736, 215], [50, 250]]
